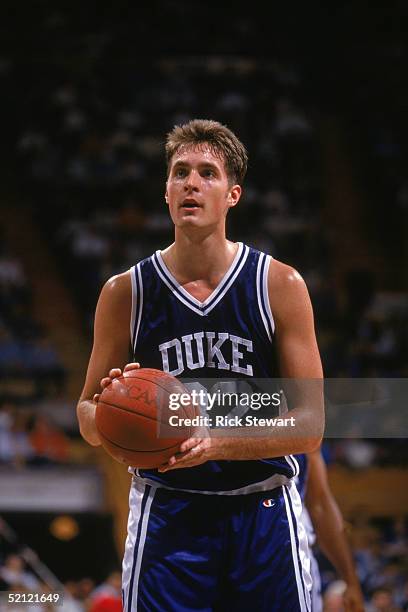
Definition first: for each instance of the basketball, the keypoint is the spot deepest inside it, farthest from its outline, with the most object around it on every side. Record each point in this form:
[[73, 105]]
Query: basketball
[[132, 418]]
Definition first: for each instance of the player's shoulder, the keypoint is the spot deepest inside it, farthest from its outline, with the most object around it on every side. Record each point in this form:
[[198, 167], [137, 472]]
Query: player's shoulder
[[288, 295], [118, 286], [281, 276]]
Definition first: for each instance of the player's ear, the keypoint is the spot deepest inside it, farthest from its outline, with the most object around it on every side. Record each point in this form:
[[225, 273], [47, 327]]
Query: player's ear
[[234, 195], [166, 197]]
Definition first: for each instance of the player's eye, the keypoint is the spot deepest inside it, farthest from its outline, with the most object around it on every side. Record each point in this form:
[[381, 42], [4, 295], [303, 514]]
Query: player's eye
[[208, 172], [180, 172]]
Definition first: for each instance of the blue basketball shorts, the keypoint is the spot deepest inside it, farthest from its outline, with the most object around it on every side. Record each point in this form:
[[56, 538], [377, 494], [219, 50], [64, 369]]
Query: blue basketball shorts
[[195, 552]]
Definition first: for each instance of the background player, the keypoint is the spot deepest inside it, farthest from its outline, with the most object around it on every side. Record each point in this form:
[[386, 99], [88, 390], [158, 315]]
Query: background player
[[323, 521], [218, 309]]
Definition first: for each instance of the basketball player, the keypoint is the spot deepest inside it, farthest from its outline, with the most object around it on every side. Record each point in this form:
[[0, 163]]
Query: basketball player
[[218, 526], [323, 522]]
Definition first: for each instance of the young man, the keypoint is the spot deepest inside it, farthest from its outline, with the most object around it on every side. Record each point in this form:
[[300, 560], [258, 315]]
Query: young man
[[324, 523], [218, 526]]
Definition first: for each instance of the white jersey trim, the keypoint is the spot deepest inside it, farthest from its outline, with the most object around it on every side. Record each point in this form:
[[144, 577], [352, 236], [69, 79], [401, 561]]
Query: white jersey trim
[[260, 292], [137, 304], [277, 480], [134, 303], [202, 308], [266, 293], [292, 461], [180, 297]]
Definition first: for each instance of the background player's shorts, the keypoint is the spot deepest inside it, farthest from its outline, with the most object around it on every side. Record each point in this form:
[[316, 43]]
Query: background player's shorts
[[316, 595], [189, 551]]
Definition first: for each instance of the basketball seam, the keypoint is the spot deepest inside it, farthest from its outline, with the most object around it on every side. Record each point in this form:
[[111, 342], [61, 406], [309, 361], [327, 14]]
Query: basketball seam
[[145, 416], [135, 450]]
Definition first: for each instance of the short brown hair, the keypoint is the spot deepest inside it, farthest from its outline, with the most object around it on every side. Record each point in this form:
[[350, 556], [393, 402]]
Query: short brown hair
[[219, 138]]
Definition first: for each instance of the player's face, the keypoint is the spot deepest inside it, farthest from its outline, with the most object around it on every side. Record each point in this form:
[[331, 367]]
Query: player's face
[[198, 192]]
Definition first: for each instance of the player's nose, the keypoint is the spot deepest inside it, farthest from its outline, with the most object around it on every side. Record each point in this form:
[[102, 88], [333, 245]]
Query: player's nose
[[192, 181]]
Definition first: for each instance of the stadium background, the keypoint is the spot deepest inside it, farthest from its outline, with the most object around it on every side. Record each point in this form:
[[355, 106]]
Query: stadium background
[[320, 102]]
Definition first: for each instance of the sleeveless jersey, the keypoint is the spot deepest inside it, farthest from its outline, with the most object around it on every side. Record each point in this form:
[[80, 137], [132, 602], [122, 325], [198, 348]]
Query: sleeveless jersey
[[229, 335], [301, 478]]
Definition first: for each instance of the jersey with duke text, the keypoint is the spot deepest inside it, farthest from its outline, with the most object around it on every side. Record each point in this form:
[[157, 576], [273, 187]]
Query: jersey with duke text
[[229, 335]]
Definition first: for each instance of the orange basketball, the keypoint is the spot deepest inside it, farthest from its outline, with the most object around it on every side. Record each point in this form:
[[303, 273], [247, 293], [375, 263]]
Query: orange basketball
[[133, 418]]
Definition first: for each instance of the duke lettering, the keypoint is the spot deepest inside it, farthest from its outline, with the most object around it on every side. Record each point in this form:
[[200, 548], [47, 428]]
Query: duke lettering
[[207, 349]]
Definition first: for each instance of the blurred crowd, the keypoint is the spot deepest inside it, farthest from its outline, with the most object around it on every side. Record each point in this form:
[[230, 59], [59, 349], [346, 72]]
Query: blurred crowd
[[379, 549], [82, 595], [30, 367], [88, 154]]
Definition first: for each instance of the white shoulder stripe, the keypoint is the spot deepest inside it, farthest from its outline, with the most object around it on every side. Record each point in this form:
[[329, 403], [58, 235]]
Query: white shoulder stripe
[[259, 295], [134, 304], [139, 276], [137, 304], [266, 293]]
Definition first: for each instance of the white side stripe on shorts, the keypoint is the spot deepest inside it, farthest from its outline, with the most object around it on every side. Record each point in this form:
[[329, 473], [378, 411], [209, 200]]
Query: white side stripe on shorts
[[140, 501], [300, 553]]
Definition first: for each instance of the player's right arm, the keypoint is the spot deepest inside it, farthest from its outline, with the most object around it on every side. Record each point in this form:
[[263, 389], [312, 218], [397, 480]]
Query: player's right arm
[[328, 524], [110, 349]]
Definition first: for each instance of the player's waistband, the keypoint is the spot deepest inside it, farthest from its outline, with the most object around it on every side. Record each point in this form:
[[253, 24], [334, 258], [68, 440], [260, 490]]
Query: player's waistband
[[274, 481]]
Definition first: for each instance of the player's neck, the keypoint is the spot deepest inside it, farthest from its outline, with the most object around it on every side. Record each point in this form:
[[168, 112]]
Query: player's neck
[[204, 258]]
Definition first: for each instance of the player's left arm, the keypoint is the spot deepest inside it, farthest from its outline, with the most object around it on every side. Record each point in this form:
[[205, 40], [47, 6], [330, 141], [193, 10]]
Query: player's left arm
[[329, 527], [298, 359]]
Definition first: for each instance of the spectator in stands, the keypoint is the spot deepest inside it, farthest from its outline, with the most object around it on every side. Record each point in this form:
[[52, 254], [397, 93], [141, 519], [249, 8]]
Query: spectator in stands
[[72, 602], [21, 450], [48, 441], [107, 597], [42, 361], [14, 573], [333, 597], [11, 363], [382, 601]]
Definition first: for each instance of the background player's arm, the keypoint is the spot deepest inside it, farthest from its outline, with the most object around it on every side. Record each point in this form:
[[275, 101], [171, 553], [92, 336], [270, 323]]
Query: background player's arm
[[329, 528], [298, 359], [110, 348]]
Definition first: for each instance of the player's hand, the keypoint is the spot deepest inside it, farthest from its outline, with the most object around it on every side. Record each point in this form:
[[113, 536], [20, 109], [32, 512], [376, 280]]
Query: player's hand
[[115, 373], [353, 599], [193, 451]]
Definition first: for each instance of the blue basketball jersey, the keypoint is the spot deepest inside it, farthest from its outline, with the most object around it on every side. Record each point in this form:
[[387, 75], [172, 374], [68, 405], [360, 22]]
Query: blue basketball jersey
[[229, 335], [301, 478]]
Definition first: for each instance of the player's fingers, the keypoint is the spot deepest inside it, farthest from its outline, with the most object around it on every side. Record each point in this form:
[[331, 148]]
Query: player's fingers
[[131, 366], [105, 382], [115, 373], [188, 444], [188, 459]]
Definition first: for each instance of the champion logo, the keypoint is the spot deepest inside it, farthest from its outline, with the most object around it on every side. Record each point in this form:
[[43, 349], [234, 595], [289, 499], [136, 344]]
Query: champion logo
[[268, 503]]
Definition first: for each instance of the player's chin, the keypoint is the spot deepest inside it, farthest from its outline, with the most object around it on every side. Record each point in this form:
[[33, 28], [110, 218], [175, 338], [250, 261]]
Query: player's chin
[[190, 221]]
